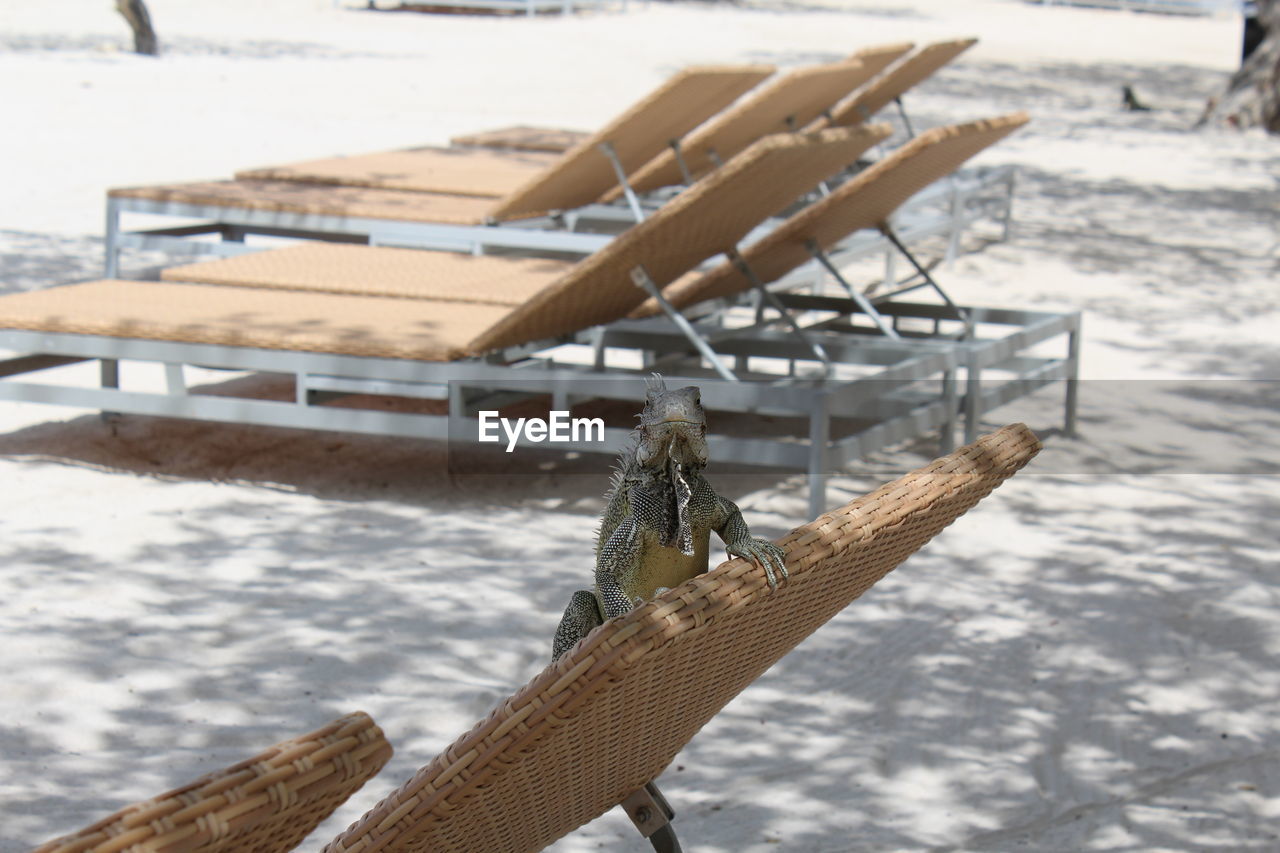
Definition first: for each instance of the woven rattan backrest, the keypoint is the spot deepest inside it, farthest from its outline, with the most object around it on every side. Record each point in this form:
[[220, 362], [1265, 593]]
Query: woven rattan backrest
[[708, 218], [264, 805], [788, 103], [613, 711], [584, 174], [907, 73], [865, 201], [878, 57]]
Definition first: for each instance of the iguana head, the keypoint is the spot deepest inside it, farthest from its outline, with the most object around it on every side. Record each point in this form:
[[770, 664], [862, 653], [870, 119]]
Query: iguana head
[[673, 427]]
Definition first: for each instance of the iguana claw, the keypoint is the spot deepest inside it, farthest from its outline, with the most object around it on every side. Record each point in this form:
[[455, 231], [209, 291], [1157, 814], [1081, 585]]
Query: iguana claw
[[768, 555]]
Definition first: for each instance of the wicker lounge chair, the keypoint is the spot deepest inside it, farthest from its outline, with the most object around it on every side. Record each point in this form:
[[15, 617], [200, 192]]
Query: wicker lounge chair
[[266, 804], [433, 348], [523, 184], [890, 86], [814, 243], [593, 729], [416, 197]]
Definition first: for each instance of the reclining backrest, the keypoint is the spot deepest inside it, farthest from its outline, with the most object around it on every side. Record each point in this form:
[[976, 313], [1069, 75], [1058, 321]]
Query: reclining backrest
[[709, 218], [611, 713], [865, 201], [266, 804], [584, 173], [909, 72], [788, 103]]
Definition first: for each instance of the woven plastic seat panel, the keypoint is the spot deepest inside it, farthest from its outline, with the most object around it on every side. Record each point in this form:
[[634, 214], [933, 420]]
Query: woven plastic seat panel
[[879, 93], [296, 197], [524, 138], [380, 271], [786, 104], [457, 171], [585, 174], [866, 201], [706, 219], [266, 804], [614, 711], [253, 317]]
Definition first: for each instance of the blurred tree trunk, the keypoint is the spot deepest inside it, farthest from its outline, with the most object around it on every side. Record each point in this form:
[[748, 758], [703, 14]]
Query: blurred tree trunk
[[1252, 98], [144, 38]]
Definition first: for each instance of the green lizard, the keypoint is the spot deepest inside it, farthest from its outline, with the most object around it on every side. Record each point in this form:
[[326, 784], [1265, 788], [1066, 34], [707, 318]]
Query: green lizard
[[656, 528]]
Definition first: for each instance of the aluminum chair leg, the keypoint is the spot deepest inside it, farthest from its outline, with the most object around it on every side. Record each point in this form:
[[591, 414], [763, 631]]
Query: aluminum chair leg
[[652, 815]]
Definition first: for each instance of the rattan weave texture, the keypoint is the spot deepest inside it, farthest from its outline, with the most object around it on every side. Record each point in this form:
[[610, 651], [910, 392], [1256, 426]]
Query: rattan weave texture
[[866, 201], [380, 271], [789, 102], [614, 711], [266, 804], [318, 199], [584, 174], [710, 217], [377, 327], [880, 92], [458, 171]]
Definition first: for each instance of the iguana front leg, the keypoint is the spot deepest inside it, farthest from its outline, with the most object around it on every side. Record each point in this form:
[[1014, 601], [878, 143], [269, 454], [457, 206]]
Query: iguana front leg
[[616, 561], [580, 617], [739, 542]]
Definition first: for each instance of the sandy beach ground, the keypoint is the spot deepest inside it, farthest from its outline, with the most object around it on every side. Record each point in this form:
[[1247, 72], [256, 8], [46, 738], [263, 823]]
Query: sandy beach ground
[[1086, 662]]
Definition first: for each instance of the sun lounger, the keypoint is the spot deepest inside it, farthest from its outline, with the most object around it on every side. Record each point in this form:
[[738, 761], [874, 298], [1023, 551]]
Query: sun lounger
[[790, 102], [336, 342], [893, 84], [524, 184], [807, 247], [267, 804], [384, 198], [594, 729]]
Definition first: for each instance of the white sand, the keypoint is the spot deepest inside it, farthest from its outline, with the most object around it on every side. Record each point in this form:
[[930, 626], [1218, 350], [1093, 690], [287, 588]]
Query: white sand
[[1086, 662]]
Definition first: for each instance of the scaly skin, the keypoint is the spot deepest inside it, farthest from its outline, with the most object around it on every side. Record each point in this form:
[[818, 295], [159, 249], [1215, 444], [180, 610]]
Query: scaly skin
[[656, 530]]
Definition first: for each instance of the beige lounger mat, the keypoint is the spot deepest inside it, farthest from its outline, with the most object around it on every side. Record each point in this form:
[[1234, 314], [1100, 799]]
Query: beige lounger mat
[[614, 711], [526, 183], [480, 172], [380, 271], [320, 200], [865, 201], [907, 73], [524, 138], [787, 103], [256, 318], [267, 804]]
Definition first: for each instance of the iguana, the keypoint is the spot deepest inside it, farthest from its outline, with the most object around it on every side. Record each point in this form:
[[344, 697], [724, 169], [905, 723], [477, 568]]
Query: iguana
[[656, 528]]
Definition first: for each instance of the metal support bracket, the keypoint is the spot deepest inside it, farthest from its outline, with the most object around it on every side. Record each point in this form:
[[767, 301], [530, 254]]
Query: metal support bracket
[[766, 296], [902, 111], [633, 200], [686, 177], [859, 299], [641, 278], [651, 814], [961, 313]]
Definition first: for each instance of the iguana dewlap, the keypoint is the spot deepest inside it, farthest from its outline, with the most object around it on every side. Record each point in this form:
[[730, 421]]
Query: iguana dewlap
[[656, 529]]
